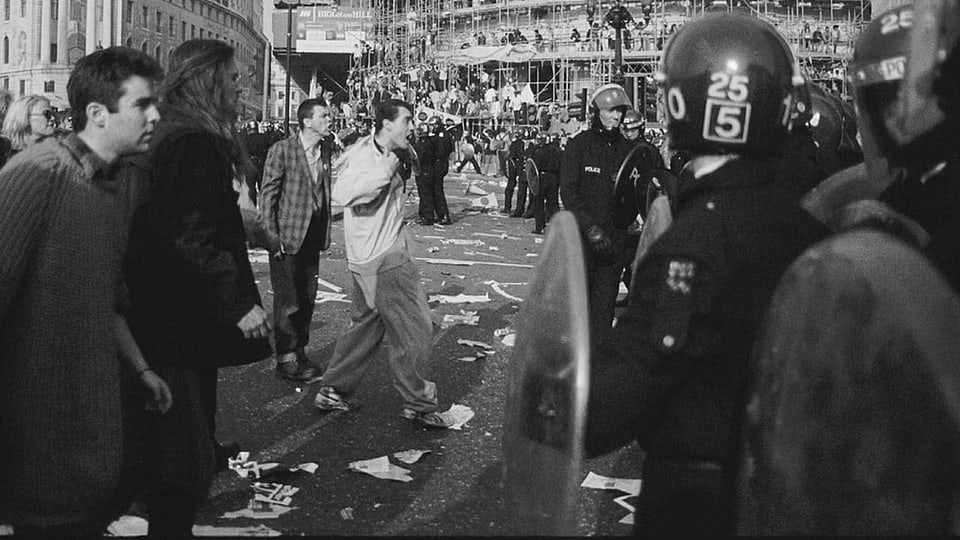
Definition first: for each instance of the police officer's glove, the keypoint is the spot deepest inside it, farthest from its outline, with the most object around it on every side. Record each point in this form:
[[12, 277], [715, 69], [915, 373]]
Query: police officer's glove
[[599, 241]]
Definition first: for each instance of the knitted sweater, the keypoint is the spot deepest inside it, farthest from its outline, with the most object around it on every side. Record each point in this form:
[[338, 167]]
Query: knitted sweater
[[60, 440]]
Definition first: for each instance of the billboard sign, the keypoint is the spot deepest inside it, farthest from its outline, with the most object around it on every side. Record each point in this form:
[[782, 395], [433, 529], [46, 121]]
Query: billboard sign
[[323, 28]]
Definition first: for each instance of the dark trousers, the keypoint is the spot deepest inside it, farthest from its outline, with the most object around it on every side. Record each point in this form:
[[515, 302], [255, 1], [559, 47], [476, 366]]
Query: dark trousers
[[473, 161], [425, 192], [683, 499], [545, 203], [439, 198], [603, 284], [513, 175], [294, 280]]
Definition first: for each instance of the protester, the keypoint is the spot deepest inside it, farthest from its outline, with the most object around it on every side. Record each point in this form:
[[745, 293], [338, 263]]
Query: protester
[[195, 305], [469, 153], [673, 372], [62, 234], [587, 176], [29, 120], [389, 305], [295, 208]]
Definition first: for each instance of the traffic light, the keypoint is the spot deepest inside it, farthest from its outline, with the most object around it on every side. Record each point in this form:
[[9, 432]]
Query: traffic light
[[649, 93], [646, 7], [531, 114], [578, 108]]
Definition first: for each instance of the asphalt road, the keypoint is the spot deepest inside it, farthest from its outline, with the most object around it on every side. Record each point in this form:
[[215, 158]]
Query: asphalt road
[[457, 487]]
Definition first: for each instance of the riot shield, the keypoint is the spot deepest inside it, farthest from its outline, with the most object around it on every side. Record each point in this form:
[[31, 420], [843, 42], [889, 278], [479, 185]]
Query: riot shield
[[633, 175], [856, 413], [414, 160], [662, 182], [545, 418], [533, 175], [510, 168]]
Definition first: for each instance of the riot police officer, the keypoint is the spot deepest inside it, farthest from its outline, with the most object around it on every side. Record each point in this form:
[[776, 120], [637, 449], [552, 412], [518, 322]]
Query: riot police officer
[[589, 164], [530, 144], [425, 145], [674, 371], [514, 168], [545, 202], [439, 146]]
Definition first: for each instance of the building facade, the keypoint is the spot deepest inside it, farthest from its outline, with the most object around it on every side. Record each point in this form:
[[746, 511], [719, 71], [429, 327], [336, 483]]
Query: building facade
[[43, 39]]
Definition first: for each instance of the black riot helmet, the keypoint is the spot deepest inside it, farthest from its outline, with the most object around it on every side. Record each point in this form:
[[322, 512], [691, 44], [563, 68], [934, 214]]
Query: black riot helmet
[[826, 122], [905, 85], [730, 82]]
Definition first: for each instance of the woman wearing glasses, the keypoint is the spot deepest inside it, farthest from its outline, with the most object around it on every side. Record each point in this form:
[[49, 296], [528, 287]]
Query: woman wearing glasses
[[29, 120]]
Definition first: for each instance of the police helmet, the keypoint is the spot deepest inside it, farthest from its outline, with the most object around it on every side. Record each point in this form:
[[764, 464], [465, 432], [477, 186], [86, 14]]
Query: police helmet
[[633, 120], [826, 122], [610, 96], [730, 82], [896, 127]]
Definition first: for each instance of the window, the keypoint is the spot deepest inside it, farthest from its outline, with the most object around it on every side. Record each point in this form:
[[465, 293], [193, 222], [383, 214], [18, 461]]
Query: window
[[54, 8], [49, 86], [146, 16], [193, 31], [201, 33], [6, 50], [129, 43], [156, 53], [193, 5], [6, 83], [143, 47], [6, 10], [183, 30], [128, 16], [53, 52], [23, 87], [23, 13], [159, 21], [172, 27]]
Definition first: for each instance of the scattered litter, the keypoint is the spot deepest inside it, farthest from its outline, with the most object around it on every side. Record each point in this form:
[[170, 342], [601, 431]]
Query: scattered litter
[[258, 510], [473, 189], [533, 255], [493, 248], [346, 513], [463, 242], [459, 299], [622, 501], [502, 236], [483, 254], [629, 486], [376, 505], [456, 262], [433, 249], [433, 237], [465, 317], [487, 434], [509, 340], [410, 456], [468, 358], [258, 256], [488, 202], [381, 468], [461, 415], [627, 519], [477, 344], [538, 240], [210, 530], [331, 286], [271, 493], [324, 296], [6, 530], [499, 332], [497, 289]]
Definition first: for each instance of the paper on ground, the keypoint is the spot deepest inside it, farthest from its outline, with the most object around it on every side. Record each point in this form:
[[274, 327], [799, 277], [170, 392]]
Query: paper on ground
[[462, 242], [381, 468], [274, 493], [627, 519], [460, 298], [410, 456], [497, 289], [509, 340], [324, 296], [626, 485], [471, 343], [331, 286], [258, 510], [461, 414], [465, 317], [137, 526]]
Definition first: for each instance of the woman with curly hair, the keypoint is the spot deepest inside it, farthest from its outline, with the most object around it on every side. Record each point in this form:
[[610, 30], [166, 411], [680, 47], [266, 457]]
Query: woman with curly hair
[[194, 304]]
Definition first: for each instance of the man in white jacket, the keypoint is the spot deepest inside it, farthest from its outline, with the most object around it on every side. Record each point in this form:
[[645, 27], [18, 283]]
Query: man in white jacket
[[389, 304]]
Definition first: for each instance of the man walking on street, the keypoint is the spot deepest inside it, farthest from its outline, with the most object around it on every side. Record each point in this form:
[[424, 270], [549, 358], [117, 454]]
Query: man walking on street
[[295, 204], [389, 305]]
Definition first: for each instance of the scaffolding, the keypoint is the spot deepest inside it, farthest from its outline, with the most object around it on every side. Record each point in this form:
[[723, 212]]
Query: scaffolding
[[409, 40]]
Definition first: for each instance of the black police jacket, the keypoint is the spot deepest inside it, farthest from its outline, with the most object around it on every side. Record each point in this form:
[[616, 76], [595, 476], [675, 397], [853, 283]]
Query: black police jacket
[[674, 372], [515, 151], [589, 164], [548, 158]]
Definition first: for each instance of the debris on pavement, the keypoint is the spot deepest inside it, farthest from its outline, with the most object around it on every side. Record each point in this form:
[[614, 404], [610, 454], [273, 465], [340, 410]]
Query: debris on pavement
[[461, 415], [477, 344], [457, 262], [258, 510], [459, 299], [270, 493], [509, 340], [381, 468], [346, 513], [465, 317], [499, 290], [500, 332], [493, 248], [129, 526], [502, 236], [462, 242], [487, 202], [474, 189], [538, 240], [258, 256], [410, 456], [331, 286], [629, 486], [483, 253], [622, 501], [324, 296], [433, 249]]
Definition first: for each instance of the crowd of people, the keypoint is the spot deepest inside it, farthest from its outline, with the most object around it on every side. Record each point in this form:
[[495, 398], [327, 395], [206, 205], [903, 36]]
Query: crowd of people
[[125, 282]]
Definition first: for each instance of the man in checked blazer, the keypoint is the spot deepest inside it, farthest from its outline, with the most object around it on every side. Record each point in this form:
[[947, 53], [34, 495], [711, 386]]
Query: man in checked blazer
[[294, 204]]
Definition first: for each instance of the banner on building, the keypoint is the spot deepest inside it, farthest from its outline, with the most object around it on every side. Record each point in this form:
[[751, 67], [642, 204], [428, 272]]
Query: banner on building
[[424, 113], [323, 29]]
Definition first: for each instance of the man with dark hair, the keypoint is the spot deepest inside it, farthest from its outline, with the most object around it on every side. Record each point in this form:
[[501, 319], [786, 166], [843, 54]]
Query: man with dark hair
[[295, 206], [389, 305], [62, 235]]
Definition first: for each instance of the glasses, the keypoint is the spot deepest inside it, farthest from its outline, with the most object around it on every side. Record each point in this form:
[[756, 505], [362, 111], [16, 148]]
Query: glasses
[[48, 114]]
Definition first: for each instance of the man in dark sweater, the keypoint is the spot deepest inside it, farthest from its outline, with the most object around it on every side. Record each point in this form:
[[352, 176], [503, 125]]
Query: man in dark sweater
[[61, 332]]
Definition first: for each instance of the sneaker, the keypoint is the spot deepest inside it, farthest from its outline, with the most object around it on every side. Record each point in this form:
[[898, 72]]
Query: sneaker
[[431, 419], [329, 400]]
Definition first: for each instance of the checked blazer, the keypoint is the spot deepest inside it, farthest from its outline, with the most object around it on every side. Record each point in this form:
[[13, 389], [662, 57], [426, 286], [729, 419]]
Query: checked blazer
[[287, 195]]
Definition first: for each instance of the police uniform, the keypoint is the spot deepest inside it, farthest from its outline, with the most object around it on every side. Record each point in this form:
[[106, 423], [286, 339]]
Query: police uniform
[[426, 147], [652, 160], [523, 184], [545, 202], [441, 165], [587, 170], [515, 157], [673, 372]]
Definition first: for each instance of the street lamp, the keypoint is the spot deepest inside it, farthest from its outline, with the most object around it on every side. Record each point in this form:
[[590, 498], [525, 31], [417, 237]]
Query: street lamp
[[288, 5], [618, 17]]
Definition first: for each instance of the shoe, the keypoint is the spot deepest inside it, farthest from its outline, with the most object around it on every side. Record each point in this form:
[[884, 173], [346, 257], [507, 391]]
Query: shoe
[[505, 210], [537, 231], [527, 215], [431, 419], [329, 400], [295, 371], [425, 222], [516, 215], [223, 452], [445, 221]]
